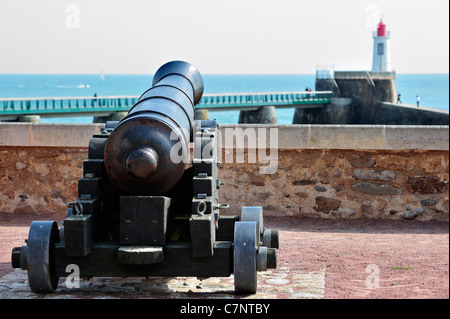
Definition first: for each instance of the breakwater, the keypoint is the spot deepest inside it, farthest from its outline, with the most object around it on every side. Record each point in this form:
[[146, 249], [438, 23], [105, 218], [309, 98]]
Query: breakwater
[[367, 98]]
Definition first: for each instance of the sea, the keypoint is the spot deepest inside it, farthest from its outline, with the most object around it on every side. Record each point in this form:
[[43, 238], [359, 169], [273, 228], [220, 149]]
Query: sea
[[433, 89]]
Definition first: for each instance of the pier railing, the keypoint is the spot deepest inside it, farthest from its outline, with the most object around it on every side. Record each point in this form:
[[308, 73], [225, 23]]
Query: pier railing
[[70, 106], [246, 101], [48, 105]]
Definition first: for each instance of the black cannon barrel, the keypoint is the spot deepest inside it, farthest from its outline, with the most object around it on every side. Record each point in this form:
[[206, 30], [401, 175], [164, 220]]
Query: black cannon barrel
[[147, 151]]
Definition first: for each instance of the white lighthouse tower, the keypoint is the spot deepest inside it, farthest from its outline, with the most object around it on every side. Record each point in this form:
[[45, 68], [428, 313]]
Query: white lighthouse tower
[[381, 52]]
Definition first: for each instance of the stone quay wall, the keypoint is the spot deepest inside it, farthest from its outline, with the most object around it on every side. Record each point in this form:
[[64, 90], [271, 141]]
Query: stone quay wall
[[324, 171], [366, 98]]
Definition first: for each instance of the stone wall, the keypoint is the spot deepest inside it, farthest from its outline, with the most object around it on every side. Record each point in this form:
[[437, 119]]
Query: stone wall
[[39, 179], [344, 184], [40, 165], [338, 111], [322, 171], [411, 114], [387, 89]]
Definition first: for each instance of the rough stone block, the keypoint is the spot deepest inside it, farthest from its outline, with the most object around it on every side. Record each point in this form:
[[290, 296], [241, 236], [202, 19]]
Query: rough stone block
[[359, 161], [377, 189], [429, 201], [426, 185], [374, 175], [303, 182], [411, 214], [320, 188], [326, 204]]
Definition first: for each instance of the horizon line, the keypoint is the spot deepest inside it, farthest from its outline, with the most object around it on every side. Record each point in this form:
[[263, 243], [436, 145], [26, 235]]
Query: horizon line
[[222, 74]]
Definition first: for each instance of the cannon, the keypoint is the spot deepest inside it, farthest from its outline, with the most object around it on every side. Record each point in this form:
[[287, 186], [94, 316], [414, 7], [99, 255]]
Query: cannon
[[148, 201]]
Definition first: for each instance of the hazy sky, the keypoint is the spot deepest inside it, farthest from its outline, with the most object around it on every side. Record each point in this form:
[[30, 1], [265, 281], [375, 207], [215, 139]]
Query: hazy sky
[[219, 36]]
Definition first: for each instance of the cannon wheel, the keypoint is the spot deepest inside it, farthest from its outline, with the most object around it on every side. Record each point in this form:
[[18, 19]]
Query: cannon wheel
[[40, 256], [254, 214], [244, 253]]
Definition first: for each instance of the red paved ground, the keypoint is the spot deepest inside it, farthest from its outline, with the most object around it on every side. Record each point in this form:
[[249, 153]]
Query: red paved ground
[[412, 258]]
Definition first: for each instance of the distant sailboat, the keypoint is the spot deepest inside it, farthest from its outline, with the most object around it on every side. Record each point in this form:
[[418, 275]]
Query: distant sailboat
[[102, 75]]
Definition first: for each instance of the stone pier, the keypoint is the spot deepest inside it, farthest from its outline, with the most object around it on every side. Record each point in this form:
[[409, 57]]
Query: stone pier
[[263, 115], [366, 98]]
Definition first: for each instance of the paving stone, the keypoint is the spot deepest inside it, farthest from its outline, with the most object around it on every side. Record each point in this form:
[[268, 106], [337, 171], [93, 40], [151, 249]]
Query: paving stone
[[303, 295], [277, 281], [272, 284]]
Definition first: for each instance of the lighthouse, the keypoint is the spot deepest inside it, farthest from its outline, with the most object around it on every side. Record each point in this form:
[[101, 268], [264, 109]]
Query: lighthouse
[[381, 54]]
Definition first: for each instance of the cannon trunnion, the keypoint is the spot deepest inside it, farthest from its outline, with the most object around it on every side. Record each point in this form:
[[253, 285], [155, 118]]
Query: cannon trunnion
[[147, 207]]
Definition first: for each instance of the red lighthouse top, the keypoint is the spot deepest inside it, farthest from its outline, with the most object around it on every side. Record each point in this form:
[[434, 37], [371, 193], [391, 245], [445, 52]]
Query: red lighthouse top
[[381, 32]]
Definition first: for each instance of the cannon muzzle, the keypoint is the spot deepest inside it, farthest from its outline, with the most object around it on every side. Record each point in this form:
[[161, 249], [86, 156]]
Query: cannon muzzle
[[147, 151]]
